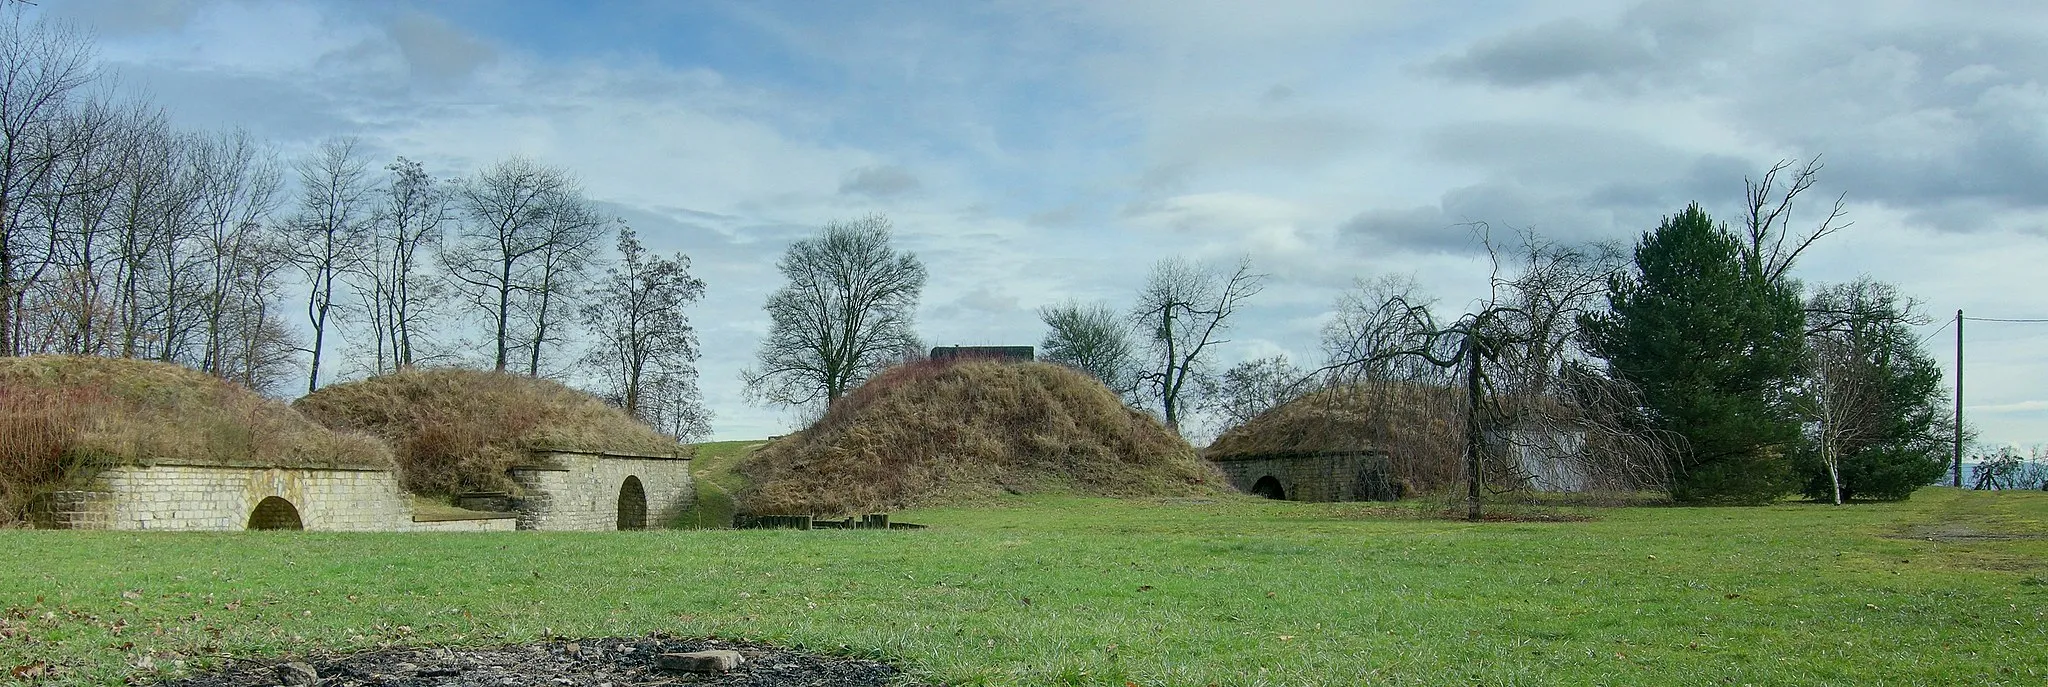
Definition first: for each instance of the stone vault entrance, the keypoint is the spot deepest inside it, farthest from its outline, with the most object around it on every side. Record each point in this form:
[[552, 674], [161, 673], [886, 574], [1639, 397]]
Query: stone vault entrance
[[275, 513]]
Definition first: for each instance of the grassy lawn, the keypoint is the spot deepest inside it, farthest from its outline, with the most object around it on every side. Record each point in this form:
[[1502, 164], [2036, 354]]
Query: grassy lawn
[[716, 483], [1946, 588]]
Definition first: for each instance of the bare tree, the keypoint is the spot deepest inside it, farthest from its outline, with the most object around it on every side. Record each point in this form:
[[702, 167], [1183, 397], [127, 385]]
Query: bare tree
[[40, 68], [238, 189], [644, 339], [398, 292], [506, 211], [1374, 317], [846, 313], [330, 233], [1182, 310], [570, 236], [1252, 387], [1092, 338], [1770, 245]]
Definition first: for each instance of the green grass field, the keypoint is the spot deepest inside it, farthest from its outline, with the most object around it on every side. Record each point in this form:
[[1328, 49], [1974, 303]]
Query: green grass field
[[1947, 588]]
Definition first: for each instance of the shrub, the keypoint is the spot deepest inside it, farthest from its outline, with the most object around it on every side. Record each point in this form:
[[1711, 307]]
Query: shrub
[[936, 431]]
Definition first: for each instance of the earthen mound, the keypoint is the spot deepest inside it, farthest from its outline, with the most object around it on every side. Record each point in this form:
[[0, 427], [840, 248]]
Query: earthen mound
[[456, 431], [937, 432], [62, 418], [1417, 426]]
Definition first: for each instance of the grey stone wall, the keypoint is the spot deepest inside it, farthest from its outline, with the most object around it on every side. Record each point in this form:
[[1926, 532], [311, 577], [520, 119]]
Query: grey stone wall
[[570, 490], [192, 497], [1316, 477]]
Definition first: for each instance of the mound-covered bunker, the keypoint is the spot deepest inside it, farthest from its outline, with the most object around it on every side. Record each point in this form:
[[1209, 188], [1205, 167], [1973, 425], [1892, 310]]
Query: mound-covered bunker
[[941, 432], [1350, 443], [506, 445], [100, 443]]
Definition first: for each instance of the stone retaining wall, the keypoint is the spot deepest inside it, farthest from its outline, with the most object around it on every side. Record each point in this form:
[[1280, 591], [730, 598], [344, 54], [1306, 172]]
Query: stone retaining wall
[[1355, 476], [192, 497], [576, 490]]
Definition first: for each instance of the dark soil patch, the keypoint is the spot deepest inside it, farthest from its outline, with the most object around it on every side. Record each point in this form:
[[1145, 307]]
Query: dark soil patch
[[618, 662], [1953, 533]]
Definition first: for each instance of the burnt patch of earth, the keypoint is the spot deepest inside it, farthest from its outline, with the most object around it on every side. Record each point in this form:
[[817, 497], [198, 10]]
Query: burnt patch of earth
[[616, 662]]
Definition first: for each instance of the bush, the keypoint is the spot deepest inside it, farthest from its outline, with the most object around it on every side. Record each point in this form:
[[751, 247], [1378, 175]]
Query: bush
[[455, 431], [935, 432]]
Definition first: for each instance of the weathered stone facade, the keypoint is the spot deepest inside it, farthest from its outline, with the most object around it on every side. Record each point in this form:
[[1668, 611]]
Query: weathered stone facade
[[577, 490], [198, 497], [1345, 476]]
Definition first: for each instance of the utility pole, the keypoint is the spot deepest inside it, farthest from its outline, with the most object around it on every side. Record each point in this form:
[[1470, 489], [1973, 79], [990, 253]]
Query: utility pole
[[1959, 399]]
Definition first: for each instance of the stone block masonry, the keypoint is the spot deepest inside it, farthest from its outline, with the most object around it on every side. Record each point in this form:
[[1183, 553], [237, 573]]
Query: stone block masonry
[[581, 490], [198, 497], [1336, 476]]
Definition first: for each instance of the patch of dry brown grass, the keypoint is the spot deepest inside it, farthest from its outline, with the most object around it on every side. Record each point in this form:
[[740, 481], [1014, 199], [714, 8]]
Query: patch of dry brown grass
[[1420, 428], [459, 430], [62, 418], [935, 432]]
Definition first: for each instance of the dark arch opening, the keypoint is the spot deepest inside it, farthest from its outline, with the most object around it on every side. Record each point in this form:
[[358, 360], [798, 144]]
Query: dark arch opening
[[632, 505], [275, 513], [1270, 488]]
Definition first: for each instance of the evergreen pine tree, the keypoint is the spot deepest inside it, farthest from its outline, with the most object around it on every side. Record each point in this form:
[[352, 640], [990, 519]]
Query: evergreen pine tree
[[1715, 349]]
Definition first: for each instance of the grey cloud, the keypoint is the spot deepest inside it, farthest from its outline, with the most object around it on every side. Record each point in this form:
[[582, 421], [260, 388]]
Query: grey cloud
[[437, 52], [879, 181], [1557, 51], [128, 17], [1654, 42]]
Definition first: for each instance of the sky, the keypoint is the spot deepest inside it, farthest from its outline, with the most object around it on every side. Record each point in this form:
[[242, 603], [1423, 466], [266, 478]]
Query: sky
[[1037, 151]]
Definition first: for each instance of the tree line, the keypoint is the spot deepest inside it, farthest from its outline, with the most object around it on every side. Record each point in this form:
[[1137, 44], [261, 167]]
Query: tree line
[[121, 235], [1693, 361]]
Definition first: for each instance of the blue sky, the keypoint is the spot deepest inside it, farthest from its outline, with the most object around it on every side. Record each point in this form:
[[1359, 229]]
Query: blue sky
[[1032, 152]]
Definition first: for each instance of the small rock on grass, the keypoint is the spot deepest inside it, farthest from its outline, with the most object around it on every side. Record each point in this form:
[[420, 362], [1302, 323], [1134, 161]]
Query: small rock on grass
[[713, 662], [297, 674]]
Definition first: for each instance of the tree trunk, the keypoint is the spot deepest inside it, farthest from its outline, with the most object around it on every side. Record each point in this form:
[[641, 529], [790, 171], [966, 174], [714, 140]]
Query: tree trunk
[[1473, 436]]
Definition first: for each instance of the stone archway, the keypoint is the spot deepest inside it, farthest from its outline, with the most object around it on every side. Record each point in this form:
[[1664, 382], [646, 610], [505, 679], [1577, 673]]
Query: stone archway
[[632, 505], [275, 513], [1269, 487]]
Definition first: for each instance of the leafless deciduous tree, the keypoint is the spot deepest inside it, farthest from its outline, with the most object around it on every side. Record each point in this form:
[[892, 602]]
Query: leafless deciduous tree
[[569, 239], [1771, 245], [1092, 338], [41, 69], [1250, 388], [1182, 310], [846, 313], [398, 290], [330, 233], [1518, 362], [645, 349], [521, 221]]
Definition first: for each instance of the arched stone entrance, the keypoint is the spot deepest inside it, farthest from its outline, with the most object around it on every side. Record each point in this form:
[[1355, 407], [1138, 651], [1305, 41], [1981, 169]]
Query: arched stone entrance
[[632, 505], [1269, 487], [275, 513]]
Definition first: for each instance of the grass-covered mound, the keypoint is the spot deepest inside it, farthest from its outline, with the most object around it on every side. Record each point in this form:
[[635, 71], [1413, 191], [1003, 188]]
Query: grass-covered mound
[[62, 418], [1419, 427], [936, 432], [458, 430]]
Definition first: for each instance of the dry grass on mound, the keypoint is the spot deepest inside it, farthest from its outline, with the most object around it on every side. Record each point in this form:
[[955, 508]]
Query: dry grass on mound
[[934, 432], [1419, 427], [458, 430], [63, 418]]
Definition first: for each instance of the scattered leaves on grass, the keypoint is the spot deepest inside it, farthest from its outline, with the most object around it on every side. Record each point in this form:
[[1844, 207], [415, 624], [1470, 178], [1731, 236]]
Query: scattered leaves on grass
[[1144, 587], [30, 671]]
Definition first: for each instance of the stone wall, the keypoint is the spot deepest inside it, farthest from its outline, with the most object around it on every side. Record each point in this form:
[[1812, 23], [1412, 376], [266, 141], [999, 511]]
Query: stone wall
[[192, 497], [1313, 477], [574, 490]]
